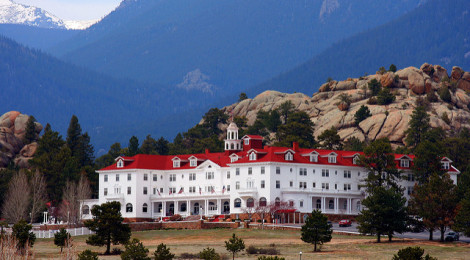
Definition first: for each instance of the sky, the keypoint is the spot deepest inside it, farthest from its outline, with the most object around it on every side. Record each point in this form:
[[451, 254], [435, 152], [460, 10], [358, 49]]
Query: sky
[[80, 10]]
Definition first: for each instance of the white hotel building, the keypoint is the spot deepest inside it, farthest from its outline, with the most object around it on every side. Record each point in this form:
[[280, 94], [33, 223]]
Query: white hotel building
[[245, 175]]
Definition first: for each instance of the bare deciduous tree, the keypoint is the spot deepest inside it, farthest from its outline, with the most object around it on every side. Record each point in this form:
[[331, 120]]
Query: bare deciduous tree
[[17, 201], [83, 192], [73, 196], [38, 194]]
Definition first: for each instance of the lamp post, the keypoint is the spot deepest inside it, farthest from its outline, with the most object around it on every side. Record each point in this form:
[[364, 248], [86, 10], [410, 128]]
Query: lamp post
[[200, 211], [300, 254]]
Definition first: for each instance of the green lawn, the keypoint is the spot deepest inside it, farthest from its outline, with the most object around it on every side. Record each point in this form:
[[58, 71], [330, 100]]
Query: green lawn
[[288, 242]]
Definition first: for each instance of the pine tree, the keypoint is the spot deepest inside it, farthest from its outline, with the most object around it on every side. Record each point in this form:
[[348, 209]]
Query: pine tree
[[135, 250], [299, 128], [61, 238], [361, 114], [162, 146], [30, 134], [234, 245], [316, 229], [149, 145], [133, 147], [330, 139], [462, 220], [418, 126], [74, 133]]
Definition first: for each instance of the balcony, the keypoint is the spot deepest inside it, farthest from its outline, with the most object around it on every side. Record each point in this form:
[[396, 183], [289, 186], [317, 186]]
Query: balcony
[[248, 192], [321, 191], [118, 196]]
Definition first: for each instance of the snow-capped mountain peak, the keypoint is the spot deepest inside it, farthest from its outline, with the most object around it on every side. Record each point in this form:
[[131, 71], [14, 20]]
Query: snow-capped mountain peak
[[13, 13]]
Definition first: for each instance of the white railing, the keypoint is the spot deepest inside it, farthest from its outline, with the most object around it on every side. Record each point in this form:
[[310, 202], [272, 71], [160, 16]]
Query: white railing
[[72, 231]]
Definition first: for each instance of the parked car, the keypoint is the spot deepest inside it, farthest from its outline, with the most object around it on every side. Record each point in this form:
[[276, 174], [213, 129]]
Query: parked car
[[345, 223], [452, 236]]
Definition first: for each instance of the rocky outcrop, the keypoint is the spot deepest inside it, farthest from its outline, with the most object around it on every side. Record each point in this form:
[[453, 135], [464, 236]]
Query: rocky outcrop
[[12, 133], [390, 121]]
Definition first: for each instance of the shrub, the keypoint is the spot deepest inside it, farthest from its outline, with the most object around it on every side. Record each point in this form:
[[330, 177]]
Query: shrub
[[411, 253], [432, 97], [251, 250], [135, 250], [163, 253], [392, 68], [445, 118], [189, 256], [385, 97], [176, 217], [381, 71], [209, 254], [270, 258], [374, 87], [444, 93], [372, 101], [88, 255], [361, 114], [116, 251], [23, 234]]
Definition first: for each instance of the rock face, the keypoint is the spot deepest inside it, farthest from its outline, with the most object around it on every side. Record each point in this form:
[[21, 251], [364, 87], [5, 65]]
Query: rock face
[[12, 132], [390, 121]]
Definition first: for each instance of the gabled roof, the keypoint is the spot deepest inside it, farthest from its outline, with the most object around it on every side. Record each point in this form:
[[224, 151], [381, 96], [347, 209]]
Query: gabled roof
[[255, 137]]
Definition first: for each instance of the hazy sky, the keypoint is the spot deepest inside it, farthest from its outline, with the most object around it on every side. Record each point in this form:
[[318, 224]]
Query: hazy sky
[[75, 9]]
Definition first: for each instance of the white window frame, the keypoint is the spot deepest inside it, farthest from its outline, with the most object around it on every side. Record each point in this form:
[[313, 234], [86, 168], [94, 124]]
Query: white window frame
[[405, 163], [252, 156], [209, 175], [289, 156], [172, 177], [193, 163], [332, 159], [120, 164]]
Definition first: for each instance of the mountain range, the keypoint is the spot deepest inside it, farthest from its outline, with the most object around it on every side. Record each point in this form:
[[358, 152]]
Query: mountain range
[[154, 67]]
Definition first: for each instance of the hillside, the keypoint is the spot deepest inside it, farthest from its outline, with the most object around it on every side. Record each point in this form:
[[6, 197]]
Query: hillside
[[437, 32], [35, 37], [389, 121], [224, 45]]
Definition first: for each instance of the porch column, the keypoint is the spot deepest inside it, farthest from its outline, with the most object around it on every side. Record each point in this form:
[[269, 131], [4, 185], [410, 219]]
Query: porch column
[[349, 205], [151, 209], [176, 208], [323, 206], [219, 207], [188, 208], [164, 209], [206, 207], [336, 205]]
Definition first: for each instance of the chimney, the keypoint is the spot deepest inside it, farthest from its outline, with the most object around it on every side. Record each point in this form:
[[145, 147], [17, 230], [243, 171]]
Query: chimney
[[295, 146], [207, 151]]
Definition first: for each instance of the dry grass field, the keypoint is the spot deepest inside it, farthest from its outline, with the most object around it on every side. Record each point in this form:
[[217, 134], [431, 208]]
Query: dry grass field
[[288, 242]]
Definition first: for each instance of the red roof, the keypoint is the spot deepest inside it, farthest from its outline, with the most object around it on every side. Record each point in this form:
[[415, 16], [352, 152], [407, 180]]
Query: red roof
[[266, 154], [253, 137]]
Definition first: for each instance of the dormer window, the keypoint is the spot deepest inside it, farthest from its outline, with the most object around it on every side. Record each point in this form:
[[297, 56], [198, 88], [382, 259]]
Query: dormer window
[[120, 164], [176, 163], [233, 158], [332, 159], [404, 163], [253, 156], [314, 158], [446, 165], [247, 141], [356, 160], [193, 162], [289, 156]]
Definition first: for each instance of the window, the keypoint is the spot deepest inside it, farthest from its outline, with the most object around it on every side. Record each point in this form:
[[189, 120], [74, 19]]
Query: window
[[155, 177], [410, 190], [172, 177], [85, 210], [183, 207], [318, 204], [208, 188], [117, 177], [303, 172], [247, 141], [332, 159], [302, 185], [145, 190], [314, 185], [331, 204], [105, 191], [154, 191], [250, 184], [347, 174], [250, 171], [252, 156], [117, 190], [105, 178], [356, 160], [262, 202], [193, 162], [144, 208], [129, 177], [347, 186], [291, 203], [325, 186], [237, 171], [228, 175], [325, 173], [172, 190], [314, 158], [237, 185], [209, 175], [278, 170], [411, 177], [192, 189], [237, 203], [128, 207], [192, 176], [405, 163], [277, 202], [278, 184], [263, 171], [301, 203], [446, 165], [291, 184], [289, 157], [176, 163], [120, 164], [129, 190], [262, 184], [345, 204], [146, 177], [228, 187], [250, 203], [336, 186]]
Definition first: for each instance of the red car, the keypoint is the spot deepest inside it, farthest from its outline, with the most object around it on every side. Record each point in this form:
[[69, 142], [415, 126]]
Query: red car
[[345, 223]]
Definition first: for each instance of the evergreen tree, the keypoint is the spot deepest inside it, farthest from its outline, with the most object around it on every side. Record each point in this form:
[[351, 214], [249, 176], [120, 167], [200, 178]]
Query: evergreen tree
[[61, 238], [163, 253], [135, 250], [88, 255], [316, 229], [361, 114], [107, 223], [412, 253], [418, 126], [30, 131], [133, 147], [79, 144], [385, 97], [74, 133], [354, 144], [285, 110], [234, 245], [330, 139], [162, 146], [462, 220], [242, 97], [177, 147], [374, 86], [212, 119], [393, 68], [149, 146], [428, 155], [23, 234], [384, 212], [299, 128], [435, 201]]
